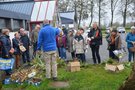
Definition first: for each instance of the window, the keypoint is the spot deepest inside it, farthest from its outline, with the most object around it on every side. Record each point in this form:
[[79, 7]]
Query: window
[[2, 23], [16, 25]]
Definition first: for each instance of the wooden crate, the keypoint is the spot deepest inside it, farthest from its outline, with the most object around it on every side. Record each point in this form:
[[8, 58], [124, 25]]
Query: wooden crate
[[73, 66]]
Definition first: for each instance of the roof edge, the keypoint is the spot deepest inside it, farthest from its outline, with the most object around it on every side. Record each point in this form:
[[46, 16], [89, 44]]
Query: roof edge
[[16, 1]]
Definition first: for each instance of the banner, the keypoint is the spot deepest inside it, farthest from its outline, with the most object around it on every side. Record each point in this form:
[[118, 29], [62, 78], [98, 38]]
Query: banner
[[6, 64]]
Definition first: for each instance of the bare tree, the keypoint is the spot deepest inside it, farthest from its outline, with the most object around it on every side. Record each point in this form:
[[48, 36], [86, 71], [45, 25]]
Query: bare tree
[[91, 11], [132, 13], [82, 10], [99, 10], [101, 4], [124, 9], [113, 7], [64, 5]]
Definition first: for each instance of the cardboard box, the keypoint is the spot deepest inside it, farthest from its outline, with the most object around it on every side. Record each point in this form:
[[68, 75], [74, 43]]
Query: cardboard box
[[114, 68], [73, 66], [120, 67]]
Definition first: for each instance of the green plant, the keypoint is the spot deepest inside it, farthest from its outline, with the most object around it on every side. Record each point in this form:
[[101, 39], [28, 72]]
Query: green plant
[[61, 63], [110, 61], [38, 63], [93, 77]]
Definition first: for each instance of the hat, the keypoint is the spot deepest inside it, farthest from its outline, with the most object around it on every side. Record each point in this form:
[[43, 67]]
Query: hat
[[71, 30], [133, 28]]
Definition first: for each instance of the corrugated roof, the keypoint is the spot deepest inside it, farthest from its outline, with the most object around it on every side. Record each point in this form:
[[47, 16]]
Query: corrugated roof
[[19, 7], [9, 14]]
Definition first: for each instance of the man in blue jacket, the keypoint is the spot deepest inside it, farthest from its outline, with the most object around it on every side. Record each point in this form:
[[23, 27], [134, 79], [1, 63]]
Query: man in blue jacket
[[47, 40]]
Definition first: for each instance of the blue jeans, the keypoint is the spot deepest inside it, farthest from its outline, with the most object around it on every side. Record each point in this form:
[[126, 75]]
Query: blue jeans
[[81, 57], [62, 52], [130, 55]]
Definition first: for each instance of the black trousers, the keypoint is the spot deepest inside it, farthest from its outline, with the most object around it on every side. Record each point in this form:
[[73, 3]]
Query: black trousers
[[112, 55], [25, 56], [81, 57], [73, 55], [95, 54]]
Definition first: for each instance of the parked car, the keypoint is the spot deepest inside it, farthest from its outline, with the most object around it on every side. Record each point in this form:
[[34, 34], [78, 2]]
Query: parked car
[[121, 30]]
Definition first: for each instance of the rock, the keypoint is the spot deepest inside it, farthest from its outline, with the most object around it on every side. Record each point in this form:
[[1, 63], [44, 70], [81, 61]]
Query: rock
[[59, 84]]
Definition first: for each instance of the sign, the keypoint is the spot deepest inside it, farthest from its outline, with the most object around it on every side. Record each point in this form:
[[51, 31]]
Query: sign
[[6, 64]]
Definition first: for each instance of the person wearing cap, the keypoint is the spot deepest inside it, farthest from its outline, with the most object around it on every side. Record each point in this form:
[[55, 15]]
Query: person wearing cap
[[130, 39], [114, 43], [47, 40]]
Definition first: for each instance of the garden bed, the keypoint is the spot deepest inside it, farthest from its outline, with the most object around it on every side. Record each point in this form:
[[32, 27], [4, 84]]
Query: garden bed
[[92, 77]]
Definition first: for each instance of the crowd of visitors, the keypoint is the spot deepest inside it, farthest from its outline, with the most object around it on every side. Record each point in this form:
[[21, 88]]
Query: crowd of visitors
[[52, 40]]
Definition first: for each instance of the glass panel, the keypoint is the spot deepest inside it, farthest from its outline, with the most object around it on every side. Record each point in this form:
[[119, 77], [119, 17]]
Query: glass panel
[[42, 11], [35, 11], [50, 11]]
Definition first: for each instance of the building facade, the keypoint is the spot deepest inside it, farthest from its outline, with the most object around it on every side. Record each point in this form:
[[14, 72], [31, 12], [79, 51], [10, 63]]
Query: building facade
[[25, 14]]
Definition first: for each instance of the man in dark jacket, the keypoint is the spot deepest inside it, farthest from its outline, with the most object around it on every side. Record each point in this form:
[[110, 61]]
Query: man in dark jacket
[[95, 39], [26, 43], [6, 44], [7, 50]]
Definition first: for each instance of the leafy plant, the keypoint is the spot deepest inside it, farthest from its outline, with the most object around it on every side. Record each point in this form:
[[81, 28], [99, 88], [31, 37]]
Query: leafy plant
[[38, 63], [110, 61], [61, 63]]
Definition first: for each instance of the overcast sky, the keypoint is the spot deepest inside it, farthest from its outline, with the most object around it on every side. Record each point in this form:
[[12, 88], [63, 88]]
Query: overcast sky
[[107, 19]]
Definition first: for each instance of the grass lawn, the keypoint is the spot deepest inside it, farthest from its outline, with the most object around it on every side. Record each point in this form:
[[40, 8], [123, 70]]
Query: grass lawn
[[94, 77]]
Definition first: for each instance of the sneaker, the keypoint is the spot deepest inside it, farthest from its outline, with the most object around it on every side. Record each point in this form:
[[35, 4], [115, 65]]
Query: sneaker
[[55, 79]]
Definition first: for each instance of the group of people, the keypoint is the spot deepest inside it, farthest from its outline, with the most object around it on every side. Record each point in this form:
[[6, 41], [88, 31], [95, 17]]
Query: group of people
[[77, 43], [114, 40], [9, 50], [52, 40]]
